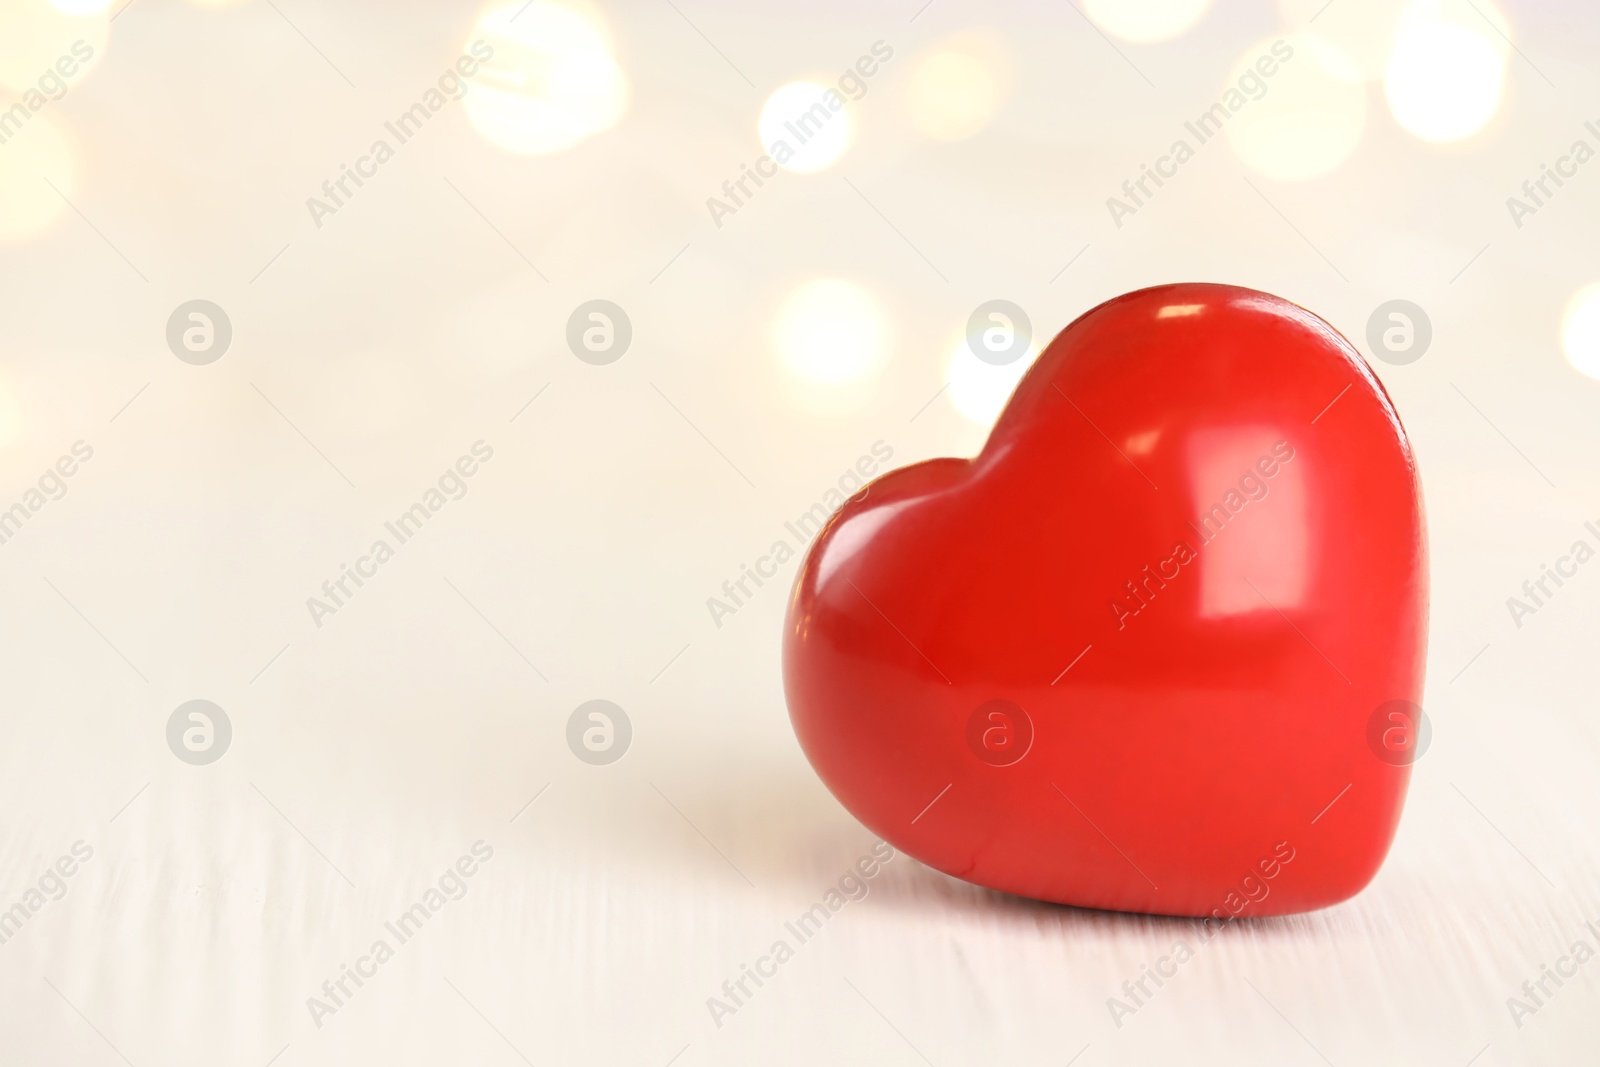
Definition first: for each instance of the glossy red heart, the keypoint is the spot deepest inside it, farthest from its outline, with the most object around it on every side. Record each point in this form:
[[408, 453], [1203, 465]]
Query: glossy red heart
[[1128, 656]]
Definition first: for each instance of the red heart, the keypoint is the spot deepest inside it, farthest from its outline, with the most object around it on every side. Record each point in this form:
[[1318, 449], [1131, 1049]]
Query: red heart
[[1127, 657]]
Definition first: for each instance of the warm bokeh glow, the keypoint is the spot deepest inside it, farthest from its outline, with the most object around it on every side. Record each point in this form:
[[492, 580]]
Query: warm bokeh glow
[[952, 94], [1310, 116], [1447, 72], [552, 81], [1580, 330], [81, 7], [831, 332], [38, 152], [1142, 21], [1362, 29], [798, 117], [37, 35], [980, 390]]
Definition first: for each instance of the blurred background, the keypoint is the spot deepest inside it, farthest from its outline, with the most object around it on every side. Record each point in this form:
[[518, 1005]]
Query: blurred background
[[274, 272]]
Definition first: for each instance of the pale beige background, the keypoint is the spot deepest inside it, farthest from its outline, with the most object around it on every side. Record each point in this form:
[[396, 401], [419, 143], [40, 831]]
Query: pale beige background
[[374, 751]]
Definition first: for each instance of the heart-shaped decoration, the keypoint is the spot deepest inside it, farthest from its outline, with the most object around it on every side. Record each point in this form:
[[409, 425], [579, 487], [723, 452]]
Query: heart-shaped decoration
[[1129, 656]]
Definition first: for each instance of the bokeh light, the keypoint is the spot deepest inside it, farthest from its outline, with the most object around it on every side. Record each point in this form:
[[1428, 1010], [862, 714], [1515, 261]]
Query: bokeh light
[[952, 94], [1143, 21], [1309, 117], [1362, 29], [798, 115], [552, 80], [37, 152], [1580, 330], [81, 7], [830, 331], [979, 390], [1447, 72], [36, 35]]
